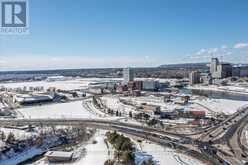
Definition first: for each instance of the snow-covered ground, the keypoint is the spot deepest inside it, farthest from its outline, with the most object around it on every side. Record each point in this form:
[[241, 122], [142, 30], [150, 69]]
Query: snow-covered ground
[[76, 83], [163, 156], [60, 110], [96, 154], [152, 100], [17, 158], [235, 89], [19, 134], [222, 105], [114, 103]]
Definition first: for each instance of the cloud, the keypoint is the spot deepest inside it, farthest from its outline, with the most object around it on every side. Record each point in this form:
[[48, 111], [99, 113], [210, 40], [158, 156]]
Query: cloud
[[236, 54], [2, 62], [200, 52], [207, 53], [241, 45]]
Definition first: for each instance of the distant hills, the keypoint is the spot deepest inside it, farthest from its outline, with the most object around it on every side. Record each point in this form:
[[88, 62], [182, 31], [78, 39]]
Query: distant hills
[[185, 66]]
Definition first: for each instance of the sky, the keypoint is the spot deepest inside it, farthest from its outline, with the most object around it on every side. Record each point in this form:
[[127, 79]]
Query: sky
[[133, 33]]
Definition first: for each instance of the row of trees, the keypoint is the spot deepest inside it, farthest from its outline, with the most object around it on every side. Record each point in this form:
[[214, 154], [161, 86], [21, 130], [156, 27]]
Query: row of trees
[[123, 149], [10, 138]]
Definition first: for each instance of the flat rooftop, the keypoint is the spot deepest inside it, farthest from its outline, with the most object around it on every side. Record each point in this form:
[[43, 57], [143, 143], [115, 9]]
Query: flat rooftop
[[57, 154]]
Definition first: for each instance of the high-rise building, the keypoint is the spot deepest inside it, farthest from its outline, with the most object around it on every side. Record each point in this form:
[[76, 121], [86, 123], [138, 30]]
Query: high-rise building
[[213, 65], [194, 77], [220, 70], [128, 75]]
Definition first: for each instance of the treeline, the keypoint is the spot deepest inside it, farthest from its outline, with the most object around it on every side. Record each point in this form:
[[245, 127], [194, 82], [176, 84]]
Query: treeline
[[124, 150]]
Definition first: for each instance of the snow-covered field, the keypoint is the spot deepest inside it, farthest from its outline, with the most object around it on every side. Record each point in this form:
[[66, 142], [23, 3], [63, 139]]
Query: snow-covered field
[[114, 103], [222, 105], [164, 156], [61, 110], [76, 83], [96, 154]]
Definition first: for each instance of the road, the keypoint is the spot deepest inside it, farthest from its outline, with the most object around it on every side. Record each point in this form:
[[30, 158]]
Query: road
[[219, 132], [180, 142], [227, 135]]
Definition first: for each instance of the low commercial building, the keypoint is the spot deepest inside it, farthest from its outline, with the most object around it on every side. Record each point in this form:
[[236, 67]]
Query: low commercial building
[[96, 90], [31, 98], [150, 85], [131, 85], [240, 71], [135, 85], [59, 156], [168, 114], [182, 100], [122, 88], [206, 79], [151, 109], [197, 114]]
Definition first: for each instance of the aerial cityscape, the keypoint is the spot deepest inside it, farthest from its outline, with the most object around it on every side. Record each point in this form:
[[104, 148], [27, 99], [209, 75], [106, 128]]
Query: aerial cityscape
[[113, 82]]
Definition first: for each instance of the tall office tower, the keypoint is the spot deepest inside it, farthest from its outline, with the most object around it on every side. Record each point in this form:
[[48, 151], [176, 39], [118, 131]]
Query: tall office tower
[[194, 77], [213, 65], [128, 75], [220, 70]]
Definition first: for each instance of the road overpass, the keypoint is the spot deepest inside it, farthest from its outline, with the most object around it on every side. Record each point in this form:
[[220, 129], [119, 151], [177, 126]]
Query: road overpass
[[179, 142]]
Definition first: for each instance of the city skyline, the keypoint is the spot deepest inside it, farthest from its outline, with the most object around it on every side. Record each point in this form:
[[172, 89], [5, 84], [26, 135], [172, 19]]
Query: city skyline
[[95, 34]]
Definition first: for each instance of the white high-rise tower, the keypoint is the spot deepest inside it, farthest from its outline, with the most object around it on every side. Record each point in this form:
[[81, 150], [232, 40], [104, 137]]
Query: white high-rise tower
[[128, 75]]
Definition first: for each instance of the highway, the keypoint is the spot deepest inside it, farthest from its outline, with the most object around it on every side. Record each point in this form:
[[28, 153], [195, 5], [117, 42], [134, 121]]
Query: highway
[[184, 144], [219, 132], [227, 135], [220, 144]]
